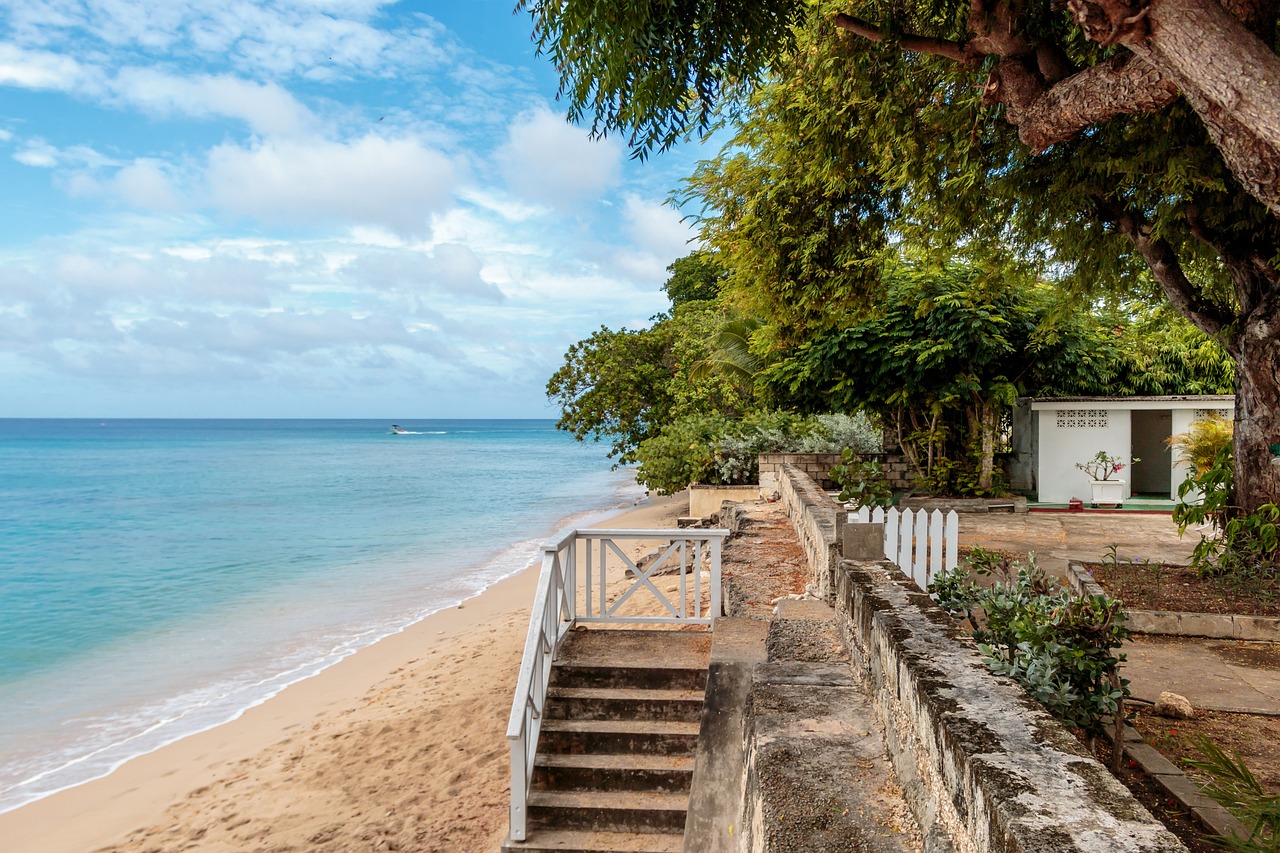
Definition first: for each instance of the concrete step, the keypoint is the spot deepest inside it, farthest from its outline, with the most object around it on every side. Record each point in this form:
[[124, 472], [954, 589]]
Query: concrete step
[[648, 676], [649, 737], [576, 841], [622, 703], [609, 811], [670, 774]]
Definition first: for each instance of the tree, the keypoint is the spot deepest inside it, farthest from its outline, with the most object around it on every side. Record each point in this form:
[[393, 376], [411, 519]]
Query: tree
[[624, 385], [951, 347], [657, 70], [694, 278], [1122, 150], [938, 364]]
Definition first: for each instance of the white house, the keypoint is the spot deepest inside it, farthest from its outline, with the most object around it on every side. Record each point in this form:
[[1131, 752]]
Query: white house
[[1050, 435]]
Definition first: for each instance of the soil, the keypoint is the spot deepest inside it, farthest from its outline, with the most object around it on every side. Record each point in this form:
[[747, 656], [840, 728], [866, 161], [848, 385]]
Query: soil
[[1167, 810], [765, 561], [1150, 586], [1252, 737]]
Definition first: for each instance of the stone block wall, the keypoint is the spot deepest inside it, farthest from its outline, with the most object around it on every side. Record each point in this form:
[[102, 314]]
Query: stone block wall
[[817, 519], [983, 767], [817, 466]]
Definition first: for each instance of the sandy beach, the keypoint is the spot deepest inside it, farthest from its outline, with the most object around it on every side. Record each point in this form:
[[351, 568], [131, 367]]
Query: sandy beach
[[399, 747]]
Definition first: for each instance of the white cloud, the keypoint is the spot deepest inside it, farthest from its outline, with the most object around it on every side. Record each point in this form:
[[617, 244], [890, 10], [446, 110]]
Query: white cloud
[[265, 107], [451, 268], [38, 69], [397, 183], [146, 184], [326, 40], [37, 153], [657, 228], [548, 160]]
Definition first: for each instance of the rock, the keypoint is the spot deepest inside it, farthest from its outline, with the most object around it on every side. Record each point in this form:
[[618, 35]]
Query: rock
[[1173, 705]]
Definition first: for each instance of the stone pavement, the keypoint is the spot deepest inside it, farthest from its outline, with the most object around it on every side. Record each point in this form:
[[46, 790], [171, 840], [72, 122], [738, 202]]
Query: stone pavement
[[1057, 537], [1221, 675]]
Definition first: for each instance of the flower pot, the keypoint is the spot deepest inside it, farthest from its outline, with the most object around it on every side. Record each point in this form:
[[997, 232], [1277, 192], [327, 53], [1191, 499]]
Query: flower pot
[[1108, 492]]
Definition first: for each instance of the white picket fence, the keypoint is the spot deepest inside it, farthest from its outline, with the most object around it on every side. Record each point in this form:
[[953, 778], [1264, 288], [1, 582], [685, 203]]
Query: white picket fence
[[921, 543]]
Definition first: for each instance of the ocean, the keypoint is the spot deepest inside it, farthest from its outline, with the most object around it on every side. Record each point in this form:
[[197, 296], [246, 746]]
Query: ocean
[[160, 577]]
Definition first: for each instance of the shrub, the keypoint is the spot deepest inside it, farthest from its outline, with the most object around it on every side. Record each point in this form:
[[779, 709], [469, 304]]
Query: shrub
[[1057, 645], [1235, 788], [1200, 445], [1245, 547], [861, 483], [717, 450]]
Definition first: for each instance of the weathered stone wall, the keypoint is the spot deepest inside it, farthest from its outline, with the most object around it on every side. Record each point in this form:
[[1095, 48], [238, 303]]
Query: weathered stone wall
[[817, 519], [817, 466], [984, 767]]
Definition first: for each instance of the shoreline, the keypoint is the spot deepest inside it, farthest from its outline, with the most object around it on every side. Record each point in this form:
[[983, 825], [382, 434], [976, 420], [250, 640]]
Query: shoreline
[[445, 680], [158, 732]]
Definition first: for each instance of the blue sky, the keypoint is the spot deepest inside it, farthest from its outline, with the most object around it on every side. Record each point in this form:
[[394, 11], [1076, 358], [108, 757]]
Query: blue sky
[[334, 208]]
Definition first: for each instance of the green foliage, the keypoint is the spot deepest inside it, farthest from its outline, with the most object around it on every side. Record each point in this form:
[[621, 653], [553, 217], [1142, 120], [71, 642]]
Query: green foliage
[[1059, 646], [1236, 789], [1133, 349], [682, 452], [1200, 445], [625, 385], [656, 70], [1245, 546], [861, 483], [694, 278], [713, 449], [852, 145], [944, 354]]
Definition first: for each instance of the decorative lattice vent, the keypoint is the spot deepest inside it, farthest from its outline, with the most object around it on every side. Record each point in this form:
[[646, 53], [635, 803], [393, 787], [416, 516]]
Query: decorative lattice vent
[[1082, 418], [1201, 414]]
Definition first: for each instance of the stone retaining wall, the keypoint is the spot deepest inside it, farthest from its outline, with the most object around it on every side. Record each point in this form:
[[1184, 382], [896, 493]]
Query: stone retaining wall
[[817, 520], [817, 466], [983, 766]]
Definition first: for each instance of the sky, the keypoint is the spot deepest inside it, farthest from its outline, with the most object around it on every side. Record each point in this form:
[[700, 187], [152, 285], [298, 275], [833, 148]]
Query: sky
[[306, 209]]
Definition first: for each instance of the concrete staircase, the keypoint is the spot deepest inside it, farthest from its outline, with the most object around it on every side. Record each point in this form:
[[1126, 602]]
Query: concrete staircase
[[616, 755]]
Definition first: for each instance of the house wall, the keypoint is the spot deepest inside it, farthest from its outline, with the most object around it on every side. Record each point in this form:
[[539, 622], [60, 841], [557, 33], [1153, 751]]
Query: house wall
[[1082, 434]]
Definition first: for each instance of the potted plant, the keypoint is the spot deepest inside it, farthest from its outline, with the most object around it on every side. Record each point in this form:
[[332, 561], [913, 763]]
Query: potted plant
[[1102, 470]]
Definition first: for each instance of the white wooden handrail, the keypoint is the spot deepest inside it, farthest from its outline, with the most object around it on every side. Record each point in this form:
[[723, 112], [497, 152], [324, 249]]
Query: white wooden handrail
[[556, 611]]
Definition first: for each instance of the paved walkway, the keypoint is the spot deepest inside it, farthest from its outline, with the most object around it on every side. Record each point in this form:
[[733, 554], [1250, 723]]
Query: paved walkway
[[1221, 675], [1057, 537]]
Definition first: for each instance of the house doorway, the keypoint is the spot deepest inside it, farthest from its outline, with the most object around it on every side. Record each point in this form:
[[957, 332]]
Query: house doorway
[[1150, 430]]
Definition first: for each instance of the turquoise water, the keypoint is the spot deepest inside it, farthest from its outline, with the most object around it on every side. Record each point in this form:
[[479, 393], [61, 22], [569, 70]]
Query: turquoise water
[[160, 577]]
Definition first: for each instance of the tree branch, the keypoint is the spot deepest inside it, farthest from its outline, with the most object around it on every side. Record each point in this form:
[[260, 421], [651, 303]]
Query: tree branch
[[959, 52], [1118, 86], [1167, 269], [1044, 96]]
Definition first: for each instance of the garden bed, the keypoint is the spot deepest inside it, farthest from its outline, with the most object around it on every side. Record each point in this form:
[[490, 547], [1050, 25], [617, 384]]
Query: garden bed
[[1151, 586]]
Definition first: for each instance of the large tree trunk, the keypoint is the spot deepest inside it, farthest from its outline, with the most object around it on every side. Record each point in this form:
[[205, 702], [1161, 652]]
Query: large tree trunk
[[1230, 77], [1257, 427]]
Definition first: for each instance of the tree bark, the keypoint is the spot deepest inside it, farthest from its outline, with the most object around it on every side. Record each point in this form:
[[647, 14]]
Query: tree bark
[[1257, 426], [1230, 77], [984, 421]]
